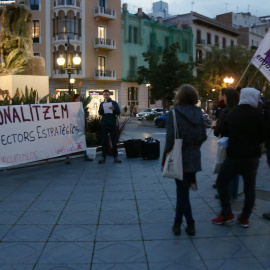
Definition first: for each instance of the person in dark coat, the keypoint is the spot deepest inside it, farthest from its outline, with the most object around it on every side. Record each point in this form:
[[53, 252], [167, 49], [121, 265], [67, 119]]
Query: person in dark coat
[[267, 143], [108, 125], [245, 133], [192, 130], [231, 99]]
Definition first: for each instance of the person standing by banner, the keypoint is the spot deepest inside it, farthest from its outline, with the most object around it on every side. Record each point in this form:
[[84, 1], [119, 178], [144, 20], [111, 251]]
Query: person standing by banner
[[109, 110]]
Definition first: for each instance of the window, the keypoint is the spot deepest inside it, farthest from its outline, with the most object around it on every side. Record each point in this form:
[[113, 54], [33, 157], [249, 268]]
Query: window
[[152, 40], [209, 38], [232, 43], [35, 31], [101, 63], [102, 3], [198, 56], [166, 42], [223, 42], [37, 54], [132, 93], [34, 4], [102, 34], [199, 36], [133, 67], [130, 33], [135, 35], [70, 2], [217, 41]]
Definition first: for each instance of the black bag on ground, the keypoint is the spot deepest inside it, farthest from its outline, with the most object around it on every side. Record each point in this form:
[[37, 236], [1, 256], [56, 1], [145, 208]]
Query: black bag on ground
[[133, 148], [150, 148]]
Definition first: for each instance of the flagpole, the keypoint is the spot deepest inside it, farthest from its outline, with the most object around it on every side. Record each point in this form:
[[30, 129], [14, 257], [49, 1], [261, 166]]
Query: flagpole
[[243, 74], [255, 73]]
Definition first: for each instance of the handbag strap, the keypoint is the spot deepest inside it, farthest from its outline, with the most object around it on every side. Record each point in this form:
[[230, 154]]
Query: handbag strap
[[176, 133]]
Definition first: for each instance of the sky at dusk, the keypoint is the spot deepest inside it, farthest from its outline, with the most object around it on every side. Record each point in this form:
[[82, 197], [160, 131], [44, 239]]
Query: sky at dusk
[[209, 8]]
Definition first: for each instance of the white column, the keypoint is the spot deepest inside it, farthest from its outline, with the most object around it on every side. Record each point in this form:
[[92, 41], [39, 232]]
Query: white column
[[48, 38]]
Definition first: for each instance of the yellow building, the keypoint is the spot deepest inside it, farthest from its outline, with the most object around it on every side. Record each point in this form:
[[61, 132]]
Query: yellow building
[[93, 29]]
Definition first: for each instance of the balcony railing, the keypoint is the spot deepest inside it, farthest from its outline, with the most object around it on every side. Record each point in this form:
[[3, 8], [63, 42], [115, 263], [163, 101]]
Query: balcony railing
[[76, 3], [132, 74], [105, 43], [200, 41], [105, 75], [253, 47], [105, 13]]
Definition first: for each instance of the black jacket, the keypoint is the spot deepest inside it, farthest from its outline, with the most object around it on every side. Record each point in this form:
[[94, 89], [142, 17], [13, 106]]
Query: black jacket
[[109, 118], [245, 132]]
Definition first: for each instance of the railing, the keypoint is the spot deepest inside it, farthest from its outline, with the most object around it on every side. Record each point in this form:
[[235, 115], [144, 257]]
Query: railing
[[106, 42], [101, 11], [105, 74], [253, 47], [132, 74], [200, 41], [76, 3]]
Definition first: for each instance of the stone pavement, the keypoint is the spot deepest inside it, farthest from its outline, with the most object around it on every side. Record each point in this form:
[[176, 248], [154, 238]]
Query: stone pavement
[[119, 216]]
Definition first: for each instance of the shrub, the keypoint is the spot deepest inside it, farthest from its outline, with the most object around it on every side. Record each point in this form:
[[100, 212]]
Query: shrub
[[91, 139]]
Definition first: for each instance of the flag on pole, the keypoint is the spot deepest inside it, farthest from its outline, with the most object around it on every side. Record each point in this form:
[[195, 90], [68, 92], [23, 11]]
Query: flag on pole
[[261, 58]]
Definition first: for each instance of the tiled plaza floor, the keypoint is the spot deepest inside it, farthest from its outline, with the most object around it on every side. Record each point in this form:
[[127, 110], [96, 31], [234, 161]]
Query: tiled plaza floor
[[119, 216]]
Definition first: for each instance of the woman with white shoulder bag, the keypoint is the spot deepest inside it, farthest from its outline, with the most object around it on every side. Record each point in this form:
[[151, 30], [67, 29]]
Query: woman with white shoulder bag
[[184, 121]]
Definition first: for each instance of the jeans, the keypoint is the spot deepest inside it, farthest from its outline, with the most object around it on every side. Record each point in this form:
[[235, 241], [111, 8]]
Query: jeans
[[247, 167], [233, 186], [183, 207], [105, 130]]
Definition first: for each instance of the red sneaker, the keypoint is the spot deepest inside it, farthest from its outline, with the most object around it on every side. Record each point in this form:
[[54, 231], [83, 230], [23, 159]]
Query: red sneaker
[[243, 222], [221, 219]]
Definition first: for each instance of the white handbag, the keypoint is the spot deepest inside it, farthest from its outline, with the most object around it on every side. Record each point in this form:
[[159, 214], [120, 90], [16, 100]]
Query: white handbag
[[221, 153], [173, 167]]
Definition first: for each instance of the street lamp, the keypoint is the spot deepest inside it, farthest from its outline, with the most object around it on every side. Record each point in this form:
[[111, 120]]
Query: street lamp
[[72, 81], [148, 86], [228, 80], [61, 62]]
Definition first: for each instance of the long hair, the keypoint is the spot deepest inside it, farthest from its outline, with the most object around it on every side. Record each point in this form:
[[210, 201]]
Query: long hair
[[232, 98], [186, 95]]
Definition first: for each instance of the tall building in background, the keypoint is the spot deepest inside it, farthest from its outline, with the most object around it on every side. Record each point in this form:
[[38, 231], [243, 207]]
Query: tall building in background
[[160, 9]]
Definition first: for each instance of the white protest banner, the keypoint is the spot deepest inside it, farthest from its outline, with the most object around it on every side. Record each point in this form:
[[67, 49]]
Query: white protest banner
[[40, 131], [261, 58]]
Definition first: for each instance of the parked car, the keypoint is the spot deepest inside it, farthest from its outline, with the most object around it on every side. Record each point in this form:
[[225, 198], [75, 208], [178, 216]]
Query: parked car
[[143, 114], [161, 120]]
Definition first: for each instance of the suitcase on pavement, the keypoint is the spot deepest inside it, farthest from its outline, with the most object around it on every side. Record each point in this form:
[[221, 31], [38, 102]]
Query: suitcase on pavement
[[150, 148], [133, 148]]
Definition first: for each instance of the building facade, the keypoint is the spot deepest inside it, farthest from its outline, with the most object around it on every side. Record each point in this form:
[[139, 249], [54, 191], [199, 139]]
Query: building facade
[[140, 34], [251, 29], [207, 33], [88, 29]]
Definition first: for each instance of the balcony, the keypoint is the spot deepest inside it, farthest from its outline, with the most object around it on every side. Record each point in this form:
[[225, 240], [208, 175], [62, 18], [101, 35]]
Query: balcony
[[200, 42], [132, 74], [105, 75], [105, 43], [104, 13], [253, 47]]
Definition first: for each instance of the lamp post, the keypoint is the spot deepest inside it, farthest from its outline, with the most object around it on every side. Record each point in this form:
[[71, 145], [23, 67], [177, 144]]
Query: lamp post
[[61, 62], [148, 86], [228, 81]]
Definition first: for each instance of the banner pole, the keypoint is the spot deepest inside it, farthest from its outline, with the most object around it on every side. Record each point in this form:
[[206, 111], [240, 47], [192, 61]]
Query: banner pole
[[255, 73], [243, 74]]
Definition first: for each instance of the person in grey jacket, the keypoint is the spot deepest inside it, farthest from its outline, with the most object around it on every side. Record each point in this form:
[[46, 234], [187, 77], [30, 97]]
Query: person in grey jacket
[[192, 131]]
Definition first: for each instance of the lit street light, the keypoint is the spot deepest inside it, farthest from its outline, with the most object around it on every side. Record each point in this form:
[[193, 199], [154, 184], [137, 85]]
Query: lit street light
[[61, 62], [228, 80]]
